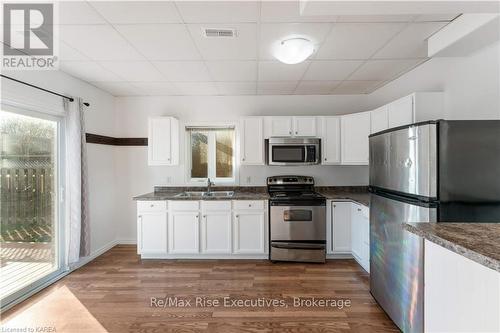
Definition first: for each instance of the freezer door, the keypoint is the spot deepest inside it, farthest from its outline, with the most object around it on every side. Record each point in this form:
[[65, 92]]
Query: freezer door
[[405, 160], [396, 260]]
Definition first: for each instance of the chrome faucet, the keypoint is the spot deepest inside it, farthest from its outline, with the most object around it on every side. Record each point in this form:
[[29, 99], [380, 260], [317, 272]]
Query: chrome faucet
[[209, 186]]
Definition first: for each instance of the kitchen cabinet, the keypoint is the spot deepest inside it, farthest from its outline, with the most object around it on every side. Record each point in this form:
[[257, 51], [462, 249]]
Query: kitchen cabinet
[[183, 232], [379, 119], [360, 234], [466, 290], [355, 129], [301, 126], [249, 232], [304, 126], [252, 141], [341, 227], [400, 112], [151, 232], [163, 141], [281, 126], [330, 149], [216, 227]]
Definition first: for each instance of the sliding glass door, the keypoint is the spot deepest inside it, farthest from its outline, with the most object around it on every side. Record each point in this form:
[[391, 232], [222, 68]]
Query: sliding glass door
[[30, 212]]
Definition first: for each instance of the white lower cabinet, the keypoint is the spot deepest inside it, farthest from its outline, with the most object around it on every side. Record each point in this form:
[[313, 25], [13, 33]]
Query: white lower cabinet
[[341, 227], [152, 232], [205, 229], [349, 231], [216, 227], [183, 232], [249, 232]]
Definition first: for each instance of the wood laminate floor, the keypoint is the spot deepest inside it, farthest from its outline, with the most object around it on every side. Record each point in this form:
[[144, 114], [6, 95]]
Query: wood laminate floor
[[114, 293]]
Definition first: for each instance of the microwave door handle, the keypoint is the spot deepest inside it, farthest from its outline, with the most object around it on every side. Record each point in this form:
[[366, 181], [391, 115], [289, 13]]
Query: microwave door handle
[[305, 154]]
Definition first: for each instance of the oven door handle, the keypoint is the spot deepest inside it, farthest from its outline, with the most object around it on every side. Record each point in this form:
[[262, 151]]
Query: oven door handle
[[298, 246]]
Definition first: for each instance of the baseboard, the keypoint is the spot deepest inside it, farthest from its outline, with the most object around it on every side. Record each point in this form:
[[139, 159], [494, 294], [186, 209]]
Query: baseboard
[[126, 242], [339, 256], [92, 256]]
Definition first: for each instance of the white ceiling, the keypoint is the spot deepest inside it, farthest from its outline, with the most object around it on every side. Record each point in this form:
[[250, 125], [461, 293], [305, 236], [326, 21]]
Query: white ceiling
[[157, 48]]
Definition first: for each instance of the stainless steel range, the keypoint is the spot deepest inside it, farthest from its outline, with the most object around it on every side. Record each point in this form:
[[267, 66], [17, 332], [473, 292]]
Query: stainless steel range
[[297, 216]]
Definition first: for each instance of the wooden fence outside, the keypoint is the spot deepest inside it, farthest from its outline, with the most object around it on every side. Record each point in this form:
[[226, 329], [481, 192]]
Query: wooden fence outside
[[26, 196]]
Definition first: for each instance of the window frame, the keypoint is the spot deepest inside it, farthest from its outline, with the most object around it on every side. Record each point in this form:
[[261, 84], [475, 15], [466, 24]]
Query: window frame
[[211, 154]]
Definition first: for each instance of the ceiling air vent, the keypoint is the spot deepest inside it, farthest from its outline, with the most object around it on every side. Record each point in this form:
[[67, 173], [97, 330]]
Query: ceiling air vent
[[228, 33]]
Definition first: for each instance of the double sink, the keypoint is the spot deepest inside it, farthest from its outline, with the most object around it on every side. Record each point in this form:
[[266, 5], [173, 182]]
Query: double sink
[[202, 194]]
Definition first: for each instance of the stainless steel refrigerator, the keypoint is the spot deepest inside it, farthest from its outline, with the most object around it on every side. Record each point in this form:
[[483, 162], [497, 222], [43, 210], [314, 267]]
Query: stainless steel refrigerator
[[439, 171]]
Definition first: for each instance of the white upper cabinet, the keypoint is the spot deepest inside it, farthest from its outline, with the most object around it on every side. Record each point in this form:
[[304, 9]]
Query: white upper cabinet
[[401, 112], [355, 129], [304, 126], [331, 140], [379, 119], [252, 141], [163, 141], [281, 126]]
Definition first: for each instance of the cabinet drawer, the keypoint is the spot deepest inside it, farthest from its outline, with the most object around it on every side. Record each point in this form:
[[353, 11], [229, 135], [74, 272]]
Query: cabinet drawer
[[151, 206], [248, 204], [184, 205], [216, 205]]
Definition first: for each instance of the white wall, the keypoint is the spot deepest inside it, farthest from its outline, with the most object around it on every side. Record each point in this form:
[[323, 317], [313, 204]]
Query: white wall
[[99, 118], [471, 85]]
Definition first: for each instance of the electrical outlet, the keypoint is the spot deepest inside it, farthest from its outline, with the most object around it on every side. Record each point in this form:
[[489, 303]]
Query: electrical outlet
[[249, 180]]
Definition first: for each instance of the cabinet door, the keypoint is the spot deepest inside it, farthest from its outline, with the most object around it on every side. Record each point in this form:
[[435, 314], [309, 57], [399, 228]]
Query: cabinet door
[[400, 112], [163, 141], [183, 232], [341, 227], [304, 126], [281, 126], [252, 141], [216, 232], [331, 140], [379, 119], [152, 232], [249, 232], [355, 129], [356, 232]]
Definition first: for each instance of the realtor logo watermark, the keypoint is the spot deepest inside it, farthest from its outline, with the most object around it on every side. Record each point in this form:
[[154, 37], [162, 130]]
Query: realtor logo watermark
[[29, 36]]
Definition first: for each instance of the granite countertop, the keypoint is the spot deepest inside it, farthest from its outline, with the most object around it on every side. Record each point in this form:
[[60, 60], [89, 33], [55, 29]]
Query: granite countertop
[[357, 194], [479, 242]]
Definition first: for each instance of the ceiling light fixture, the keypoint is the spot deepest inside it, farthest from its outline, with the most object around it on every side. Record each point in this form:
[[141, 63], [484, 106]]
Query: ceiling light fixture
[[293, 50]]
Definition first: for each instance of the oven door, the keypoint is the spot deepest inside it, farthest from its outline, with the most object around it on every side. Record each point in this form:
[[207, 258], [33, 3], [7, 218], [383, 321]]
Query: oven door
[[298, 223]]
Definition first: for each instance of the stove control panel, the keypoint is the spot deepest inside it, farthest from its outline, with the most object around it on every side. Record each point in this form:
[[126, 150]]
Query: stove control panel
[[290, 180]]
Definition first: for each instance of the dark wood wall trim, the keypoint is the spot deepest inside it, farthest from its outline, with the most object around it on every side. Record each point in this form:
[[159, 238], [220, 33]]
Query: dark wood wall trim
[[108, 140]]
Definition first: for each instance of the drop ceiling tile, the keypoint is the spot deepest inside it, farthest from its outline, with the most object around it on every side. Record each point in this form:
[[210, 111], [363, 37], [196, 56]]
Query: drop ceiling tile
[[218, 11], [98, 42], [233, 70], [382, 70], [237, 88], [375, 18], [316, 87], [277, 71], [241, 47], [356, 87], [118, 88], [156, 88], [357, 40], [331, 70], [68, 53], [78, 12], [288, 11], [272, 34], [411, 42], [183, 71], [137, 11], [161, 41], [196, 88], [134, 70], [276, 88], [88, 71]]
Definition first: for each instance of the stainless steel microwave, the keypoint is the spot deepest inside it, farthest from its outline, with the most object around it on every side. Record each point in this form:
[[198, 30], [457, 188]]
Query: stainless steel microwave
[[293, 151]]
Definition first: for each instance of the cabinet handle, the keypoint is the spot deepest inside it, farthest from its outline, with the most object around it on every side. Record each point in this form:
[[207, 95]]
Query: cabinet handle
[[334, 206], [249, 205], [151, 205], [359, 209], [326, 159], [140, 216], [243, 159], [204, 216], [289, 132], [237, 216], [197, 216], [296, 132]]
